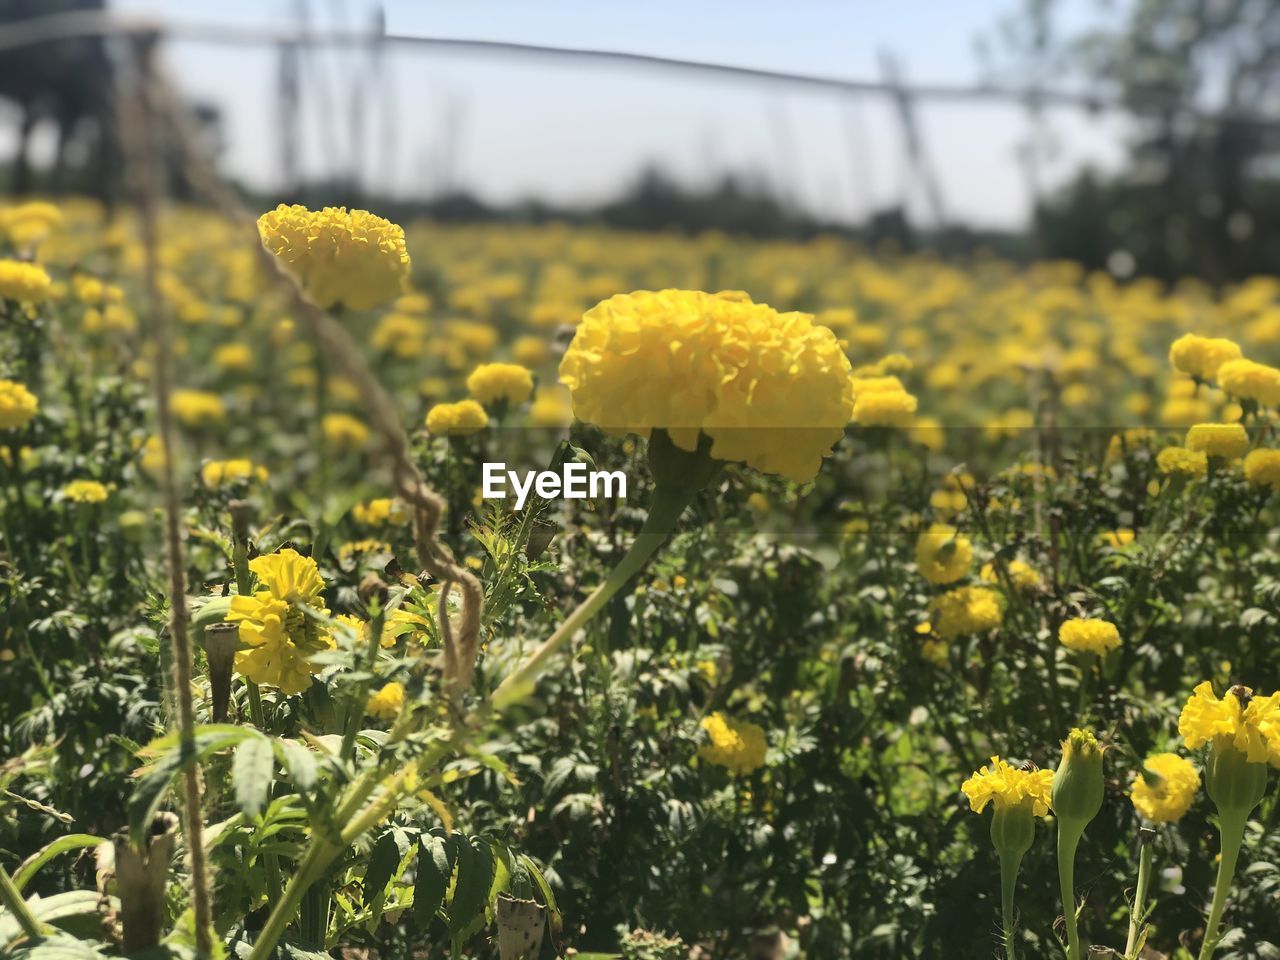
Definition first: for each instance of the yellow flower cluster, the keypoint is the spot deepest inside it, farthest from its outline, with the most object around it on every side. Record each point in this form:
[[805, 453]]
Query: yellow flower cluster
[[340, 256], [18, 405], [942, 555], [85, 491], [491, 382], [1180, 460], [343, 431], [1250, 723], [1165, 788], [383, 510], [737, 745], [1262, 468], [456, 419], [1202, 356], [279, 635], [1247, 380], [1006, 786], [966, 610], [882, 401], [221, 473], [387, 703], [26, 225], [24, 282], [771, 389], [1021, 574], [1089, 635], [1227, 440], [198, 408]]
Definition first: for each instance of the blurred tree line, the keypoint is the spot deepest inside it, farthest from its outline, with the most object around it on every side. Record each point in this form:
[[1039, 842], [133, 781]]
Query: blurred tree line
[[1198, 193]]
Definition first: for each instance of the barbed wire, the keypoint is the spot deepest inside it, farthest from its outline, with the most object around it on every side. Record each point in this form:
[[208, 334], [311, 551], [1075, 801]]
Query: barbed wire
[[78, 24]]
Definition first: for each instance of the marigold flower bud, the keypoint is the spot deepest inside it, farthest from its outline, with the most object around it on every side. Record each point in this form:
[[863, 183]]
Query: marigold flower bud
[[1077, 784]]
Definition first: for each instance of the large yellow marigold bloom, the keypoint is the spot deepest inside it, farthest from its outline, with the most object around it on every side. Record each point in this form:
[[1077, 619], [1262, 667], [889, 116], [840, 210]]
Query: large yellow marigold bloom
[[456, 419], [18, 405], [1262, 468], [28, 224], [1007, 786], [1202, 356], [23, 282], [737, 745], [942, 555], [340, 256], [1229, 440], [966, 610], [1193, 463], [491, 382], [1247, 380], [771, 389], [1164, 791], [280, 636], [1089, 636], [387, 703], [1249, 723]]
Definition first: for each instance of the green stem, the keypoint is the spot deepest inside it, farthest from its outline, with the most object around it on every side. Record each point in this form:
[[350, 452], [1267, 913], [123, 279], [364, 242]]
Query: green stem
[[666, 509], [1231, 831], [1010, 862], [1068, 841], [13, 902], [355, 707], [1139, 897]]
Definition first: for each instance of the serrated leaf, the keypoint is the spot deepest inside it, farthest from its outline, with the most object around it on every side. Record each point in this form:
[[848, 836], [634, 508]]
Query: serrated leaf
[[471, 889], [434, 870], [385, 857], [251, 774], [300, 762]]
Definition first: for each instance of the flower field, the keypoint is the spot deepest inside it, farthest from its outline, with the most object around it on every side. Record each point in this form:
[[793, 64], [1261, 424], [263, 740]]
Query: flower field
[[938, 619]]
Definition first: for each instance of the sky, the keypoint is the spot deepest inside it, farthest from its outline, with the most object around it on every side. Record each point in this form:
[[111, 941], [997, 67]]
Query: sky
[[514, 128]]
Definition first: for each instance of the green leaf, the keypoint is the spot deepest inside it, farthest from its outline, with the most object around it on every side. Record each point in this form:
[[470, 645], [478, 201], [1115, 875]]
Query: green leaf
[[385, 857], [170, 760], [548, 900], [300, 761], [471, 889], [56, 946], [251, 774], [434, 870], [76, 912], [74, 841]]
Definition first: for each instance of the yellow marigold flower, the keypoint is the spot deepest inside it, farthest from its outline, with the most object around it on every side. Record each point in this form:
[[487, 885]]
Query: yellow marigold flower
[[530, 351], [1006, 786], [1163, 792], [551, 407], [1181, 460], [456, 419], [1202, 356], [24, 282], [1247, 380], [1089, 635], [1023, 575], [387, 703], [943, 555], [1227, 440], [1249, 723], [85, 491], [18, 405], [400, 334], [375, 513], [966, 610], [233, 357], [198, 408], [29, 224], [340, 256], [884, 408], [280, 636], [928, 432], [360, 548], [344, 431], [737, 745], [1262, 468], [770, 389], [491, 382], [1117, 539], [220, 473]]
